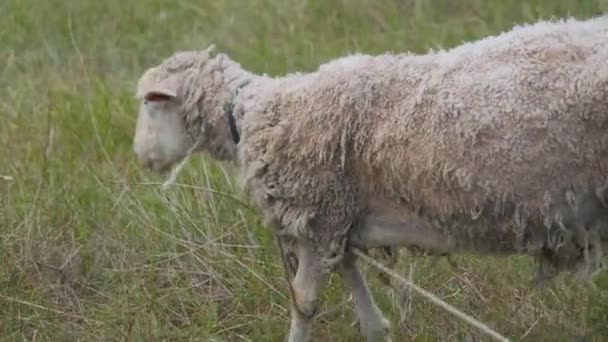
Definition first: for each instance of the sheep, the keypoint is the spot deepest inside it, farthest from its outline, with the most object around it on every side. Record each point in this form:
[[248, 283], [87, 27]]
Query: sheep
[[498, 146]]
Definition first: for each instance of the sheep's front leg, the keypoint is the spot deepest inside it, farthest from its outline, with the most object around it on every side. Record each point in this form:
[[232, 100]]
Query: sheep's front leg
[[373, 324], [306, 286]]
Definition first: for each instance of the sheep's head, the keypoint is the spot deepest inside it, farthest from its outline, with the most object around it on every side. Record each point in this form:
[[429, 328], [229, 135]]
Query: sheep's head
[[181, 112], [161, 137]]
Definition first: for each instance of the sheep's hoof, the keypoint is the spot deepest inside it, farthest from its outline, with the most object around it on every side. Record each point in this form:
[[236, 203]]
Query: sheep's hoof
[[379, 336], [380, 333]]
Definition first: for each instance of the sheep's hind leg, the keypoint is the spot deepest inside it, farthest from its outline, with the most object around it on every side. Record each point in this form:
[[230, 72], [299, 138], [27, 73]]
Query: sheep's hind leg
[[305, 286], [373, 324]]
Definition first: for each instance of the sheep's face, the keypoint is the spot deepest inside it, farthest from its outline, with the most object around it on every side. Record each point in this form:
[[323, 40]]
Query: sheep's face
[[167, 127], [161, 139]]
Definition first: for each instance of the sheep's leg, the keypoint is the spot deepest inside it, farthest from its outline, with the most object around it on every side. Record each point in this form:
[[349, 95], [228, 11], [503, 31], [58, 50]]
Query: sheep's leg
[[299, 330], [306, 286], [391, 254], [373, 324]]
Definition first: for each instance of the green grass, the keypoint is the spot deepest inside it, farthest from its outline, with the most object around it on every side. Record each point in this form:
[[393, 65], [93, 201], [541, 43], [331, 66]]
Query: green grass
[[91, 249]]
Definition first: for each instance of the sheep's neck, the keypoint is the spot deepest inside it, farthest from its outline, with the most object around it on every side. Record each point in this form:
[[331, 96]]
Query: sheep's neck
[[229, 113], [219, 84]]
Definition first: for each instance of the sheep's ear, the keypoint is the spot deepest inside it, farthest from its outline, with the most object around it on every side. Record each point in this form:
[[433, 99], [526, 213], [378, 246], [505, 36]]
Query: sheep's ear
[[149, 88], [159, 95]]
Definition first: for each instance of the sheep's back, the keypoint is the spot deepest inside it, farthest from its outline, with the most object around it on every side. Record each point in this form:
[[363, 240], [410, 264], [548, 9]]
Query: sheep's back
[[479, 138], [514, 121]]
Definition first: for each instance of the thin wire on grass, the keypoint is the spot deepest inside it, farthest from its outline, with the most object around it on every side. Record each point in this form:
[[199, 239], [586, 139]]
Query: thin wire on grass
[[434, 299], [179, 167]]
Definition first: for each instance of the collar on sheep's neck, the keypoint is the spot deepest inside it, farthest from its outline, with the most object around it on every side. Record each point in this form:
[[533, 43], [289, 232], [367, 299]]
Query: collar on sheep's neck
[[229, 112]]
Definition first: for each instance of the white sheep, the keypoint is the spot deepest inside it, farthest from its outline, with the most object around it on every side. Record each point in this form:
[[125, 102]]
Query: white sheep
[[497, 146]]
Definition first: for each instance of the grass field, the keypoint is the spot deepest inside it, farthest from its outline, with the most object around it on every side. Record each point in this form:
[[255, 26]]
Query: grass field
[[91, 249]]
